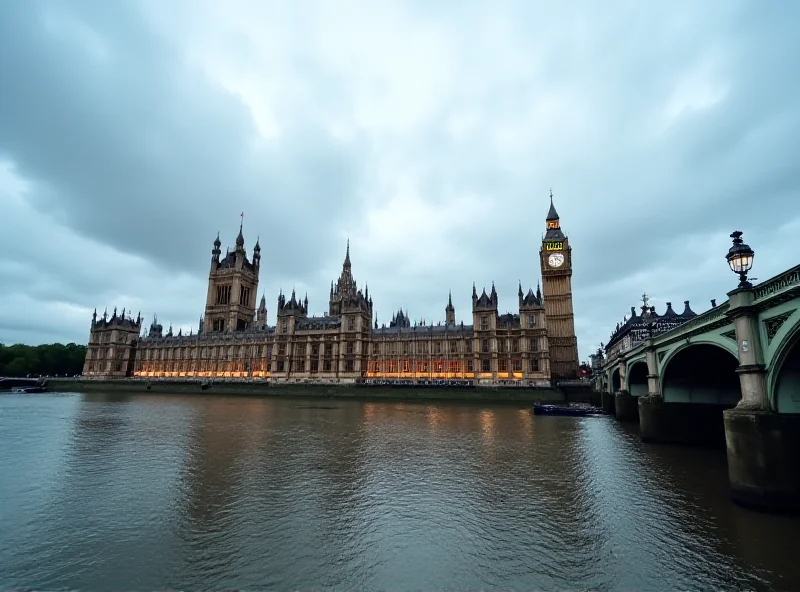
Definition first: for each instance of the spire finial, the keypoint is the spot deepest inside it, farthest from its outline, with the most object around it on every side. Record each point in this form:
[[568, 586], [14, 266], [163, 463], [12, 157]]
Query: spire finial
[[347, 254], [551, 196], [240, 238]]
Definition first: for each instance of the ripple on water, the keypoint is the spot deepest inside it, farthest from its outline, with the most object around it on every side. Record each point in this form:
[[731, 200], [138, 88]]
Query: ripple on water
[[206, 492]]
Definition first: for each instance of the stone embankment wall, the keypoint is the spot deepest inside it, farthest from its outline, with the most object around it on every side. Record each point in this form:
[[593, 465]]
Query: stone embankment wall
[[348, 391]]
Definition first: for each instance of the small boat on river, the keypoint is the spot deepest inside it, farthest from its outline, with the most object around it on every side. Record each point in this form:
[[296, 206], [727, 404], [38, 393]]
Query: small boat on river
[[572, 411], [28, 389]]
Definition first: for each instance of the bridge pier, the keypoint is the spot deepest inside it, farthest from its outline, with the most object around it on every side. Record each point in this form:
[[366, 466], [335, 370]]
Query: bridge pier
[[763, 462], [607, 400], [626, 406], [680, 423]]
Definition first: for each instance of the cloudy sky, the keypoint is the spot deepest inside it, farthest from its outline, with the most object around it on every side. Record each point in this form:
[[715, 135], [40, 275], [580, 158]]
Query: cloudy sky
[[428, 133]]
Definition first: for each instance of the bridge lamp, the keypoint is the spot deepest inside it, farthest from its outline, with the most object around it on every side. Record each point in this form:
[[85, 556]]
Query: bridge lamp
[[740, 258]]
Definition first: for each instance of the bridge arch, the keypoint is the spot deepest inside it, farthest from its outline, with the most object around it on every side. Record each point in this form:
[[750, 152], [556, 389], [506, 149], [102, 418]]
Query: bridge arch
[[637, 378], [701, 372], [616, 383], [784, 380]]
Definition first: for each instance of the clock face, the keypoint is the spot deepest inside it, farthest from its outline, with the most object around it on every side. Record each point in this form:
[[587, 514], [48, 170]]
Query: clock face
[[556, 259]]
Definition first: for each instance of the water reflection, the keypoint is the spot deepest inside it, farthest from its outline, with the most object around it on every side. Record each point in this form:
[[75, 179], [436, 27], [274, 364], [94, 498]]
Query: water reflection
[[206, 492]]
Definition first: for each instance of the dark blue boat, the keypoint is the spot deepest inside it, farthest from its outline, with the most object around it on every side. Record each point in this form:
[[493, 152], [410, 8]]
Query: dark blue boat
[[563, 410]]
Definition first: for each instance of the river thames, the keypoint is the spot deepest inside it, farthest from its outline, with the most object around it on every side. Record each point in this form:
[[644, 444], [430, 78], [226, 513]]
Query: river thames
[[210, 493]]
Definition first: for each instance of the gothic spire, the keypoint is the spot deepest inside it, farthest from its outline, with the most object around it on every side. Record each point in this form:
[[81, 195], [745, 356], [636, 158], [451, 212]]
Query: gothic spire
[[240, 238], [347, 255], [552, 214]]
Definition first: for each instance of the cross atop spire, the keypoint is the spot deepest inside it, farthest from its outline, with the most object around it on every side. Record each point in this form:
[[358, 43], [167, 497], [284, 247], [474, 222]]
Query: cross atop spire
[[645, 300]]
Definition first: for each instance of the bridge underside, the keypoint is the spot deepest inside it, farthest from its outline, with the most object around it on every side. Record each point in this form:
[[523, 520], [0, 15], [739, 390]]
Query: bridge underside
[[702, 373], [637, 379], [787, 384]]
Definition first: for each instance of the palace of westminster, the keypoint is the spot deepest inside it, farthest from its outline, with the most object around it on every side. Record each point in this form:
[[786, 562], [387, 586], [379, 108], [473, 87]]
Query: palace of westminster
[[234, 341]]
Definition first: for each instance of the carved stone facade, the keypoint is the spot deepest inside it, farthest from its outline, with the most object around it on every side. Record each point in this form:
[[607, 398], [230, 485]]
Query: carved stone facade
[[346, 345], [111, 351], [636, 328]]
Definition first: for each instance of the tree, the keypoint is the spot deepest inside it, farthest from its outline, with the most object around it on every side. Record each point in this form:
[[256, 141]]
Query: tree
[[20, 360]]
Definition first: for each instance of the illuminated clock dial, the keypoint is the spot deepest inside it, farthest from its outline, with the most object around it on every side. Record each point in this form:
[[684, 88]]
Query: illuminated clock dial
[[556, 259]]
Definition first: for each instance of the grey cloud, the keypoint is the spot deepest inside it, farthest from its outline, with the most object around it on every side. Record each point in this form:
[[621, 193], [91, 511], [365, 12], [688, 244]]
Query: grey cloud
[[144, 152]]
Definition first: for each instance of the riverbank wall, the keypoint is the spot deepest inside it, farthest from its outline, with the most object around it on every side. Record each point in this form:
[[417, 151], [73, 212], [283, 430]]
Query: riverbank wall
[[331, 391]]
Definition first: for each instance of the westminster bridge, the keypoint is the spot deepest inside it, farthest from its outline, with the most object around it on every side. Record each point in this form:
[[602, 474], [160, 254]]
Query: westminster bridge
[[730, 375]]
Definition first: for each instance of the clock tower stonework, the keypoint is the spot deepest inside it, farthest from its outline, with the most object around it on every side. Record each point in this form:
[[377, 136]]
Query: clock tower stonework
[[555, 257]]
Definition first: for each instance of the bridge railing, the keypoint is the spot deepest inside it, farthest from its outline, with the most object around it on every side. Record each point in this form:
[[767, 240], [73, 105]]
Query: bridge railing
[[779, 283]]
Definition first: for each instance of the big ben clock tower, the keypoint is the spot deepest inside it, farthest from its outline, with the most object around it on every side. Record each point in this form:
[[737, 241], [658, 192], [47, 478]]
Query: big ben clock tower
[[556, 260]]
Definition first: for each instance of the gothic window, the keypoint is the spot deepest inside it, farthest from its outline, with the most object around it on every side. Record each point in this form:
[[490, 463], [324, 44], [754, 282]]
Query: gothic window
[[351, 324], [280, 365], [469, 346], [501, 346], [453, 346], [315, 350], [469, 365], [485, 365], [534, 345], [438, 347], [405, 348], [326, 366], [348, 366], [501, 365], [351, 347], [514, 345], [517, 365], [314, 365], [484, 322], [284, 326], [531, 321], [534, 364], [485, 345], [282, 350]]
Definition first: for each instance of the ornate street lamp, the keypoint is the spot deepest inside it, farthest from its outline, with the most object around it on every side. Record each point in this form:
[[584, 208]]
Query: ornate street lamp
[[740, 259]]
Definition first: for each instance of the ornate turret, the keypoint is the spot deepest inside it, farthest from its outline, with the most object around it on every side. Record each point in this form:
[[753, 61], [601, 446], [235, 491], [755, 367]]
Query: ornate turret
[[240, 239], [400, 319], [450, 310], [261, 313], [257, 253], [688, 313], [345, 295], [484, 301], [94, 317], [232, 287]]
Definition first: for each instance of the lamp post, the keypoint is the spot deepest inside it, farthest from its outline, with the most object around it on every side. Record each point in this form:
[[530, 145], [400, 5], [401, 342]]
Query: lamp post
[[740, 259]]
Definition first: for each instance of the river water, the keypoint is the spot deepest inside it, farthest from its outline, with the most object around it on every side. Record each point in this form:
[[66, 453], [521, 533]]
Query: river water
[[209, 493]]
